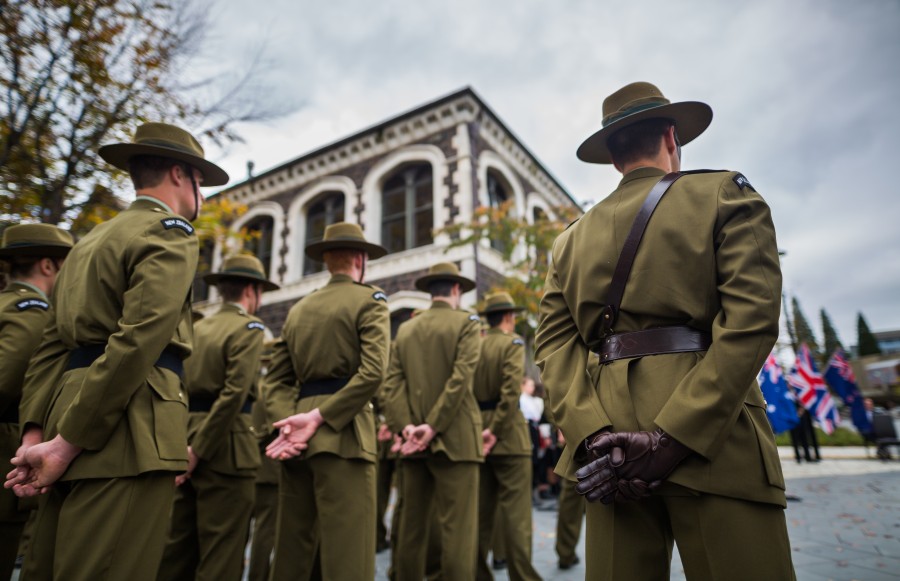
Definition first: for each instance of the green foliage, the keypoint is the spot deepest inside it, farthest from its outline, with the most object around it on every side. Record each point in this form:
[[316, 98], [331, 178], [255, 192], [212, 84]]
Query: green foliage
[[76, 75], [866, 342], [831, 340], [804, 331], [840, 437], [509, 233]]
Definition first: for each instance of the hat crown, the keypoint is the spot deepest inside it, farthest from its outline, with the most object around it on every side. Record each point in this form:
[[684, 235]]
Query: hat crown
[[242, 265], [499, 299], [442, 268], [165, 135], [30, 235], [630, 99], [343, 231]]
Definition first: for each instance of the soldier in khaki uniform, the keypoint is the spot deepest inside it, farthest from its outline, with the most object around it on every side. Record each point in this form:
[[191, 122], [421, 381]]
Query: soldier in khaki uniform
[[505, 478], [332, 358], [670, 429], [211, 514], [33, 254], [265, 504], [104, 390], [430, 402]]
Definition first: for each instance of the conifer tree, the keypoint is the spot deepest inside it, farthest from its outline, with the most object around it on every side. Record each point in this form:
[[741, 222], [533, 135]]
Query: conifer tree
[[866, 343], [804, 332], [831, 339]]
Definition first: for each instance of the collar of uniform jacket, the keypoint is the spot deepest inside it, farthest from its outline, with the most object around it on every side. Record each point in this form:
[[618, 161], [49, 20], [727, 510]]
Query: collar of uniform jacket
[[440, 305], [641, 172], [340, 277]]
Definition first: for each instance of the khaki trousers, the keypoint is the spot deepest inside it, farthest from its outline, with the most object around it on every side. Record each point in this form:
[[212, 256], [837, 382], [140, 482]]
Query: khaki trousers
[[569, 517], [505, 495], [103, 529], [718, 538], [325, 503], [265, 512], [209, 526], [435, 485]]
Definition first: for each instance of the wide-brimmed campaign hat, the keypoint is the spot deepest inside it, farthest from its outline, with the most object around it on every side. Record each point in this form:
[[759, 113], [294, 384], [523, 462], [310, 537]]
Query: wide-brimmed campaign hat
[[242, 266], [444, 271], [164, 140], [637, 102], [499, 302], [344, 235], [43, 240]]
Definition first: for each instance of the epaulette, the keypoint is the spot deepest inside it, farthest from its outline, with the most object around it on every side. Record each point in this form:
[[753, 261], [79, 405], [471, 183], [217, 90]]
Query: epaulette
[[256, 325], [378, 295], [518, 341], [474, 317]]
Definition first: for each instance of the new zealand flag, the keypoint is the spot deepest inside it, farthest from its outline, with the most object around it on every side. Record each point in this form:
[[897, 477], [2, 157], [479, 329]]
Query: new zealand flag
[[841, 379], [780, 408]]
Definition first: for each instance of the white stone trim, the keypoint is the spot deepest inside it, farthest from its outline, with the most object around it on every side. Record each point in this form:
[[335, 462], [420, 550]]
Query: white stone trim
[[296, 216], [276, 212], [536, 201], [408, 299]]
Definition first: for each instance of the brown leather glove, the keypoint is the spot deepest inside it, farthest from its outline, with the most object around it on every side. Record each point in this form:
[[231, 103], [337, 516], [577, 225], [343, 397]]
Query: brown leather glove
[[648, 457], [597, 480]]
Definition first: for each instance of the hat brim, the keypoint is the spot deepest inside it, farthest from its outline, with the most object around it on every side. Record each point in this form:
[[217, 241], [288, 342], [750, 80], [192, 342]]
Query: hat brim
[[118, 154], [691, 118], [501, 309], [316, 250], [216, 277], [40, 250], [465, 284]]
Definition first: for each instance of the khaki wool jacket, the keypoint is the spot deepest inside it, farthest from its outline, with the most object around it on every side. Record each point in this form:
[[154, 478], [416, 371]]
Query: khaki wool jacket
[[430, 380], [222, 370], [709, 260], [339, 331], [125, 285], [498, 379]]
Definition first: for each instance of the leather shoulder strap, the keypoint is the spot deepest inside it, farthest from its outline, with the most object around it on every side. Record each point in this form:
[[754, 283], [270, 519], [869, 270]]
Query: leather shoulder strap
[[626, 259]]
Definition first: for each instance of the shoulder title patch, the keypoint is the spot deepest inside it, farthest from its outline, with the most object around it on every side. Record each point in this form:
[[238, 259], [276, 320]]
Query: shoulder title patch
[[169, 223], [518, 341], [742, 182], [32, 304], [474, 318], [256, 325], [380, 296]]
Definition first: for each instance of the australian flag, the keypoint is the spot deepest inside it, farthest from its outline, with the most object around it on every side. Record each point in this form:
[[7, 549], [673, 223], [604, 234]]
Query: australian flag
[[812, 392], [840, 377], [780, 408]]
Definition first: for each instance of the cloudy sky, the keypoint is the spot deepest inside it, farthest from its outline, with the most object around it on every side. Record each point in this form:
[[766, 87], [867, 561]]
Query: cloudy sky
[[805, 95]]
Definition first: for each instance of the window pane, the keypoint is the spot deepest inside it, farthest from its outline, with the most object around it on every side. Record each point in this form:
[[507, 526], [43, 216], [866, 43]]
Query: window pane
[[423, 226], [424, 194], [326, 210], [393, 235], [261, 242]]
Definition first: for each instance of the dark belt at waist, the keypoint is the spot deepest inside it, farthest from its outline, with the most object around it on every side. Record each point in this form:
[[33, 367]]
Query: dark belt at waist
[[322, 386], [11, 414], [85, 355], [488, 405], [204, 404], [681, 339]]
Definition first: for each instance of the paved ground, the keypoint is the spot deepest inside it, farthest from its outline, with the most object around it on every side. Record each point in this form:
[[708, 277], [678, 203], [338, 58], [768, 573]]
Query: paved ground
[[845, 525]]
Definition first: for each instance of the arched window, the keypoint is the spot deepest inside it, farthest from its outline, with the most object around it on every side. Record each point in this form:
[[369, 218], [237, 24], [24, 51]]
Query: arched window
[[539, 217], [499, 193], [407, 215], [259, 241], [321, 212]]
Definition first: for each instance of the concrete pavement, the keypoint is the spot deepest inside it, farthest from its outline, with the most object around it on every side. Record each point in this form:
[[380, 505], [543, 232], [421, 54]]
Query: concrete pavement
[[844, 526]]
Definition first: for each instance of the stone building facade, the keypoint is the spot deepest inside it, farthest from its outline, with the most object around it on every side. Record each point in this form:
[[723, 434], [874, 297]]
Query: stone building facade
[[400, 180]]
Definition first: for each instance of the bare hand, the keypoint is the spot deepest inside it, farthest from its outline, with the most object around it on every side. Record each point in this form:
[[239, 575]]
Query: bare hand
[[488, 441], [22, 472], [295, 433], [384, 433], [192, 465], [417, 440], [47, 462], [398, 443]]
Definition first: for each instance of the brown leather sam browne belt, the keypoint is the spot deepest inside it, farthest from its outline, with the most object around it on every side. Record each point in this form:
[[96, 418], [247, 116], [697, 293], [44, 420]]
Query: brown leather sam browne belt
[[652, 342]]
